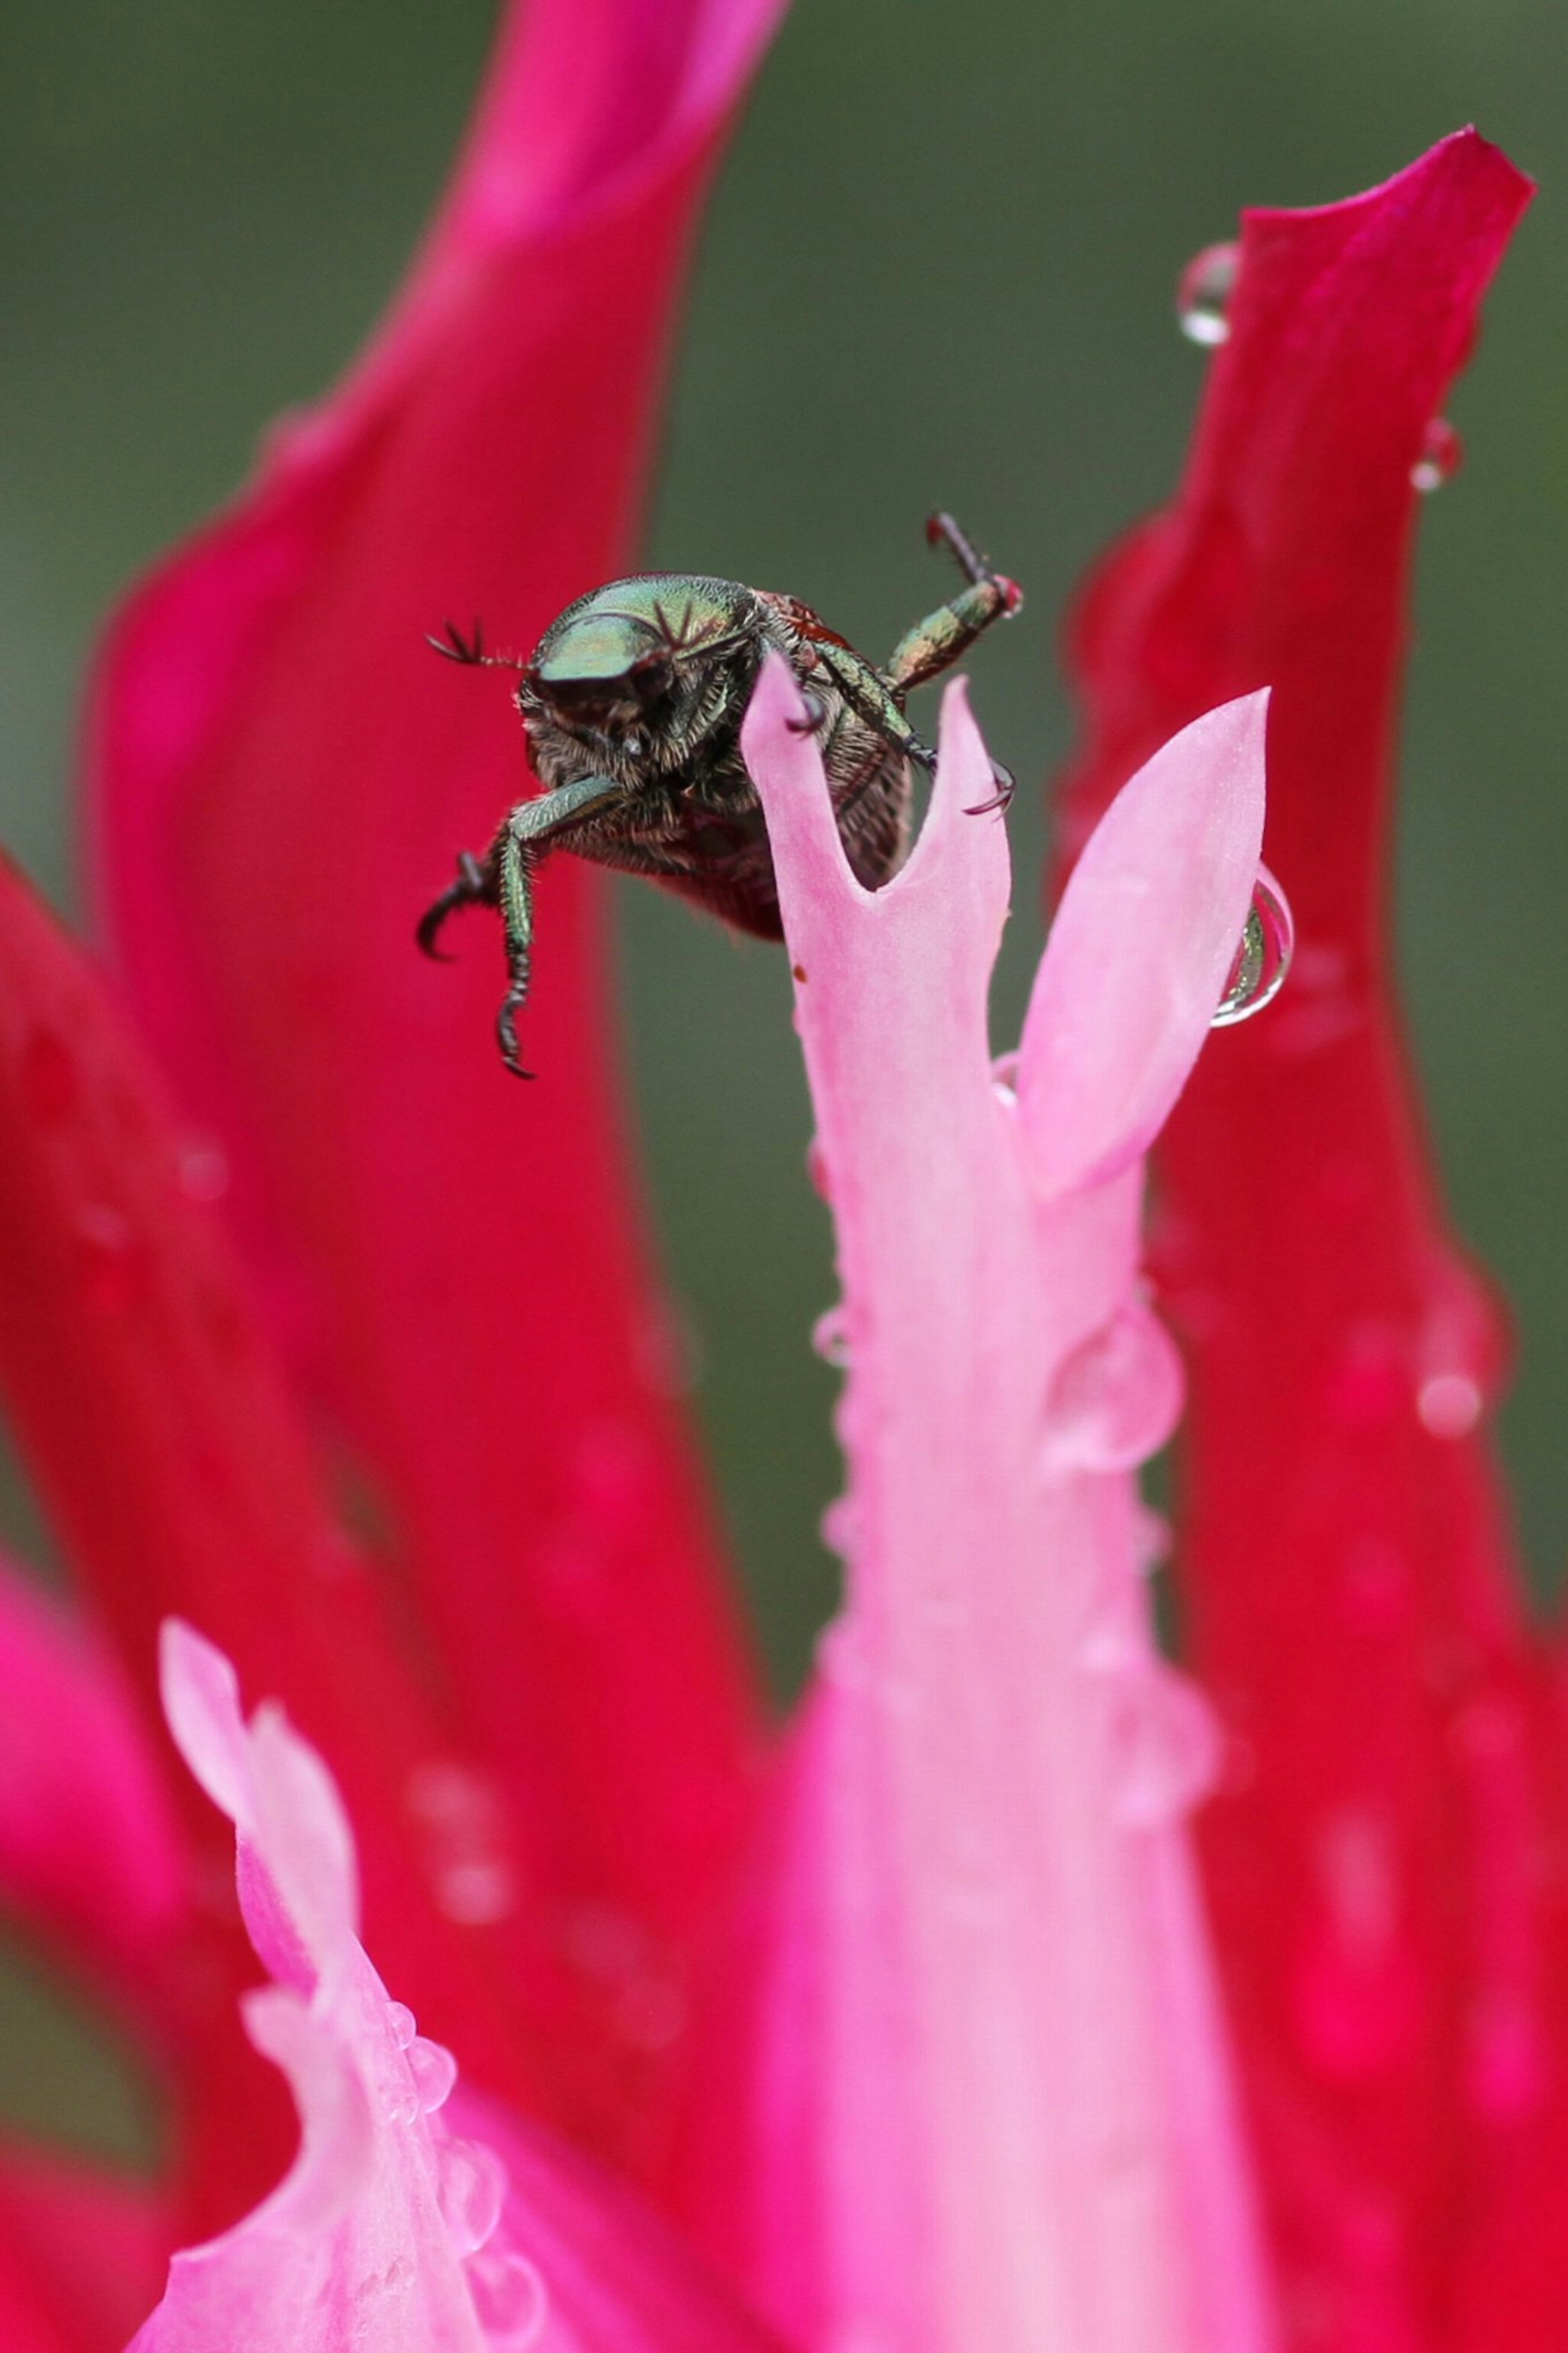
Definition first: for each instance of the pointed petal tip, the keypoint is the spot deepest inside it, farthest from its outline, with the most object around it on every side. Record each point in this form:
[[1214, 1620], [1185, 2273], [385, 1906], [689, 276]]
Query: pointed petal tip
[[201, 1700], [1137, 959]]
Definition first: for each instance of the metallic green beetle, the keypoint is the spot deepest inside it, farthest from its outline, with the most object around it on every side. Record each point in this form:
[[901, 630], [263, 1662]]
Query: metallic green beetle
[[632, 705]]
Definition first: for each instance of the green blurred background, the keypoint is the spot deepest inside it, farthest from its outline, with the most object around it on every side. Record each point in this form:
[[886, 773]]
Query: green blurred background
[[938, 269]]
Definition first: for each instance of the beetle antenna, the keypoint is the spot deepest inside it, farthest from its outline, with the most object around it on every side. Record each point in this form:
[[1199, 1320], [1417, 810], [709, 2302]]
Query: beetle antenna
[[470, 651]]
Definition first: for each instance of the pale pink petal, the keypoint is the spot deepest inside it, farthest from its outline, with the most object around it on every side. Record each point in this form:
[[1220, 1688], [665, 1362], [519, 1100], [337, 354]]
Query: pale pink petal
[[979, 2052], [1141, 948], [403, 2226]]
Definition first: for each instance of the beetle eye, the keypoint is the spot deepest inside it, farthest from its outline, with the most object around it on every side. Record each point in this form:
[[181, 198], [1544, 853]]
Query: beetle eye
[[652, 677]]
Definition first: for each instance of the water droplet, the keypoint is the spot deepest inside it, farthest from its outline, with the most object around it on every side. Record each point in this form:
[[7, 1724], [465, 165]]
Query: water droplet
[[830, 1336], [49, 1076], [1442, 455], [401, 2023], [204, 1173], [463, 1822], [1203, 294], [1004, 1078], [1263, 959], [1168, 1745], [840, 1524], [509, 2300], [1449, 1404], [1117, 1397], [108, 1259], [470, 2187], [435, 2073]]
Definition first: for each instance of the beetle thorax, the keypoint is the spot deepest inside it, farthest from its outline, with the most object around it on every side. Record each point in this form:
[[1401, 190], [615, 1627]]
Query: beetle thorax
[[640, 679]]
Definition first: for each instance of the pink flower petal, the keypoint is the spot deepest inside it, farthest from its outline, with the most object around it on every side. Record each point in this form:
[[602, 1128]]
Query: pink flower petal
[[1139, 950], [282, 775], [405, 2225], [982, 2089]]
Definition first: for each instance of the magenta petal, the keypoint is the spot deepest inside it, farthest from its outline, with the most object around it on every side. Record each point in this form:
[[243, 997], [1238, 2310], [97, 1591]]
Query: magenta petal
[[1394, 1950], [89, 1849], [979, 2093], [282, 775]]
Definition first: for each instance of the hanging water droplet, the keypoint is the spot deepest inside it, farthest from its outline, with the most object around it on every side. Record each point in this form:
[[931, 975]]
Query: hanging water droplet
[[510, 2299], [1442, 455], [400, 2020], [1263, 959], [470, 2186], [830, 1336], [1203, 293], [435, 2073], [1116, 1397], [1168, 1745], [204, 1172]]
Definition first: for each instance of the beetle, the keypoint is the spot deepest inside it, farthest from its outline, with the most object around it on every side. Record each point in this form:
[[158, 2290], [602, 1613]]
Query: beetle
[[631, 705]]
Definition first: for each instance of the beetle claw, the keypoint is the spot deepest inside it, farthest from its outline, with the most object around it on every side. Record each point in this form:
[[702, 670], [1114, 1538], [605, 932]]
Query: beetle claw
[[1006, 785]]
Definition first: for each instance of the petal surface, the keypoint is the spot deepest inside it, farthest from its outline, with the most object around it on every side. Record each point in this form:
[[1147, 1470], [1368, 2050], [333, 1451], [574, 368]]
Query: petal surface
[[282, 777], [91, 1852], [984, 2097], [155, 1424], [405, 2225], [1395, 1972]]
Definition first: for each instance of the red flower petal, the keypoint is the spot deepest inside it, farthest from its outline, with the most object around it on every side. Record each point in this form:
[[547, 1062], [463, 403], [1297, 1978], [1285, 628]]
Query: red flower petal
[[1351, 1595], [93, 2246], [283, 774], [161, 1441]]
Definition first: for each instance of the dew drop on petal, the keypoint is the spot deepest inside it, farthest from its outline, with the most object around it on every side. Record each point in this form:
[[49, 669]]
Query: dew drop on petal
[[204, 1173], [1449, 1405], [1263, 958], [435, 2073], [1117, 1397], [470, 2186], [830, 1336], [401, 2023], [1168, 1745], [1203, 293], [1442, 455], [509, 2300]]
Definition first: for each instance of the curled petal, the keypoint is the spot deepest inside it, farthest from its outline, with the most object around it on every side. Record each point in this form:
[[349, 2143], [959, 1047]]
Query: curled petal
[[409, 2218]]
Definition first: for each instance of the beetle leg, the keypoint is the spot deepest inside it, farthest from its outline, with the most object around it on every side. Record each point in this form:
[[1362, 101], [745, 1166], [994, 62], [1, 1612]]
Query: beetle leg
[[473, 885], [521, 842], [934, 643], [871, 698]]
